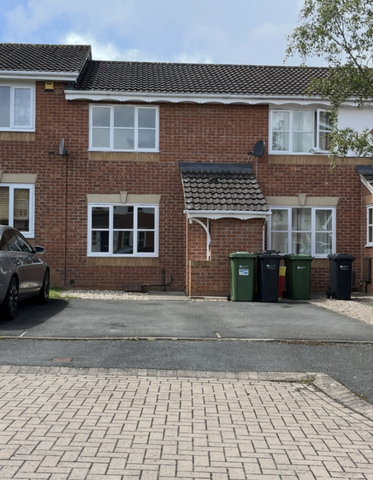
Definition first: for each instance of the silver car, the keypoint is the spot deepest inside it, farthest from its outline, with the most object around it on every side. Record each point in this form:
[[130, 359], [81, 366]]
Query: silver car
[[22, 273]]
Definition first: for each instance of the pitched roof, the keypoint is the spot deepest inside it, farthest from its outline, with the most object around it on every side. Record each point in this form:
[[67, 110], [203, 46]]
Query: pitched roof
[[18, 57], [221, 186], [366, 171], [187, 78]]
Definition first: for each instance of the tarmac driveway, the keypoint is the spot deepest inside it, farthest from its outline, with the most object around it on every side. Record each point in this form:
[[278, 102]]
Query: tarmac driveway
[[79, 318]]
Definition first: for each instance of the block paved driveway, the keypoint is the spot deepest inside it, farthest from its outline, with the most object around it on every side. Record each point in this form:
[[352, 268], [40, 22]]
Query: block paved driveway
[[103, 424]]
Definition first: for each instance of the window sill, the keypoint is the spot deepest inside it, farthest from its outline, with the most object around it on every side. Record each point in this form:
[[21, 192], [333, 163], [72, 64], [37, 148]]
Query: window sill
[[123, 261], [94, 155], [19, 136], [368, 245]]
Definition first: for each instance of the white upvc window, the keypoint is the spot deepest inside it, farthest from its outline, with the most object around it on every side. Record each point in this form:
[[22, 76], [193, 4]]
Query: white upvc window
[[17, 107], [17, 207], [302, 230], [299, 131], [122, 230], [370, 226], [125, 128]]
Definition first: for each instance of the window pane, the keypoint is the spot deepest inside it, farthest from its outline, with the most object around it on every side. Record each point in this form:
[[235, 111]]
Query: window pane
[[280, 142], [124, 117], [146, 138], [303, 121], [301, 243], [324, 220], [101, 117], [281, 121], [279, 241], [100, 241], [146, 118], [101, 138], [4, 206], [124, 139], [12, 241], [302, 142], [21, 209], [145, 242], [123, 243], [279, 219], [145, 218], [370, 235], [323, 243], [370, 216], [5, 107], [325, 121], [23, 245], [22, 107], [301, 219], [100, 217], [324, 141], [123, 217]]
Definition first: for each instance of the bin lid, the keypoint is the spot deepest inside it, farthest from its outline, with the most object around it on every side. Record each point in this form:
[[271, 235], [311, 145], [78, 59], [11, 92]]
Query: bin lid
[[268, 255], [340, 256], [298, 256], [242, 255]]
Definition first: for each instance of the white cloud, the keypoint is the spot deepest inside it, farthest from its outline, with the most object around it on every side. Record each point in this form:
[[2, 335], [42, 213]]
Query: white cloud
[[101, 51]]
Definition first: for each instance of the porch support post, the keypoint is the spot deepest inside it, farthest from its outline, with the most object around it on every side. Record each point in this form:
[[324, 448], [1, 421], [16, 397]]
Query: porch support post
[[206, 227]]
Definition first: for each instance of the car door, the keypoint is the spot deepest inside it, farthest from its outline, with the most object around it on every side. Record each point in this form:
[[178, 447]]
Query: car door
[[20, 257], [33, 266]]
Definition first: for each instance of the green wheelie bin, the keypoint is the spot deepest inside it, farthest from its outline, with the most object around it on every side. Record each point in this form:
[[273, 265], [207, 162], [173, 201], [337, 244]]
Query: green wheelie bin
[[242, 265], [298, 276]]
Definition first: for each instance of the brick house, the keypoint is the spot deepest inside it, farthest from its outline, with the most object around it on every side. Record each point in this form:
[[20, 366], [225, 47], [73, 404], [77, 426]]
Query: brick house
[[154, 184]]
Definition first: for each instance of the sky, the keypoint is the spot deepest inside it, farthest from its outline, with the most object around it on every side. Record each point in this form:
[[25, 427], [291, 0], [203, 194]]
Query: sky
[[193, 31]]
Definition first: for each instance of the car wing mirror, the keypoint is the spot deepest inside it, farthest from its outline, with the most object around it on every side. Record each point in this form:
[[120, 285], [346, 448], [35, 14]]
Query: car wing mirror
[[40, 250]]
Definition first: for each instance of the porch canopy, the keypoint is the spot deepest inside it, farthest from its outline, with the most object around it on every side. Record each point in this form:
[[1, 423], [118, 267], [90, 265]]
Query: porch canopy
[[221, 190]]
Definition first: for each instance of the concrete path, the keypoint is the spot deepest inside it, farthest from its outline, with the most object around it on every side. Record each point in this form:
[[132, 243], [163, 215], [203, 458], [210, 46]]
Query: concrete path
[[109, 424]]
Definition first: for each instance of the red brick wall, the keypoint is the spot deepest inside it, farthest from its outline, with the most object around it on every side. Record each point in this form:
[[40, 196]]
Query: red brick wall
[[227, 236], [196, 133]]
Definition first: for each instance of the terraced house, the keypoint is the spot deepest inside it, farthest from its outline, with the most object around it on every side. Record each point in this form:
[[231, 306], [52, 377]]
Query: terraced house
[[137, 175]]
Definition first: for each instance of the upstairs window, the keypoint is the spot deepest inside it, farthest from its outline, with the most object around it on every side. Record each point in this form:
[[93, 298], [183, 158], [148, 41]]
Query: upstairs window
[[370, 226], [300, 131], [304, 230], [124, 128], [17, 207], [17, 109]]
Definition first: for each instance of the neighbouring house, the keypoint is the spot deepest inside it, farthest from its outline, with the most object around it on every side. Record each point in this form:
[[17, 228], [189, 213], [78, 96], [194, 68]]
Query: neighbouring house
[[135, 174]]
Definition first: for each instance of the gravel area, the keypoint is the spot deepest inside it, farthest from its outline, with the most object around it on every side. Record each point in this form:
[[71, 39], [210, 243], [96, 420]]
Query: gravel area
[[359, 307]]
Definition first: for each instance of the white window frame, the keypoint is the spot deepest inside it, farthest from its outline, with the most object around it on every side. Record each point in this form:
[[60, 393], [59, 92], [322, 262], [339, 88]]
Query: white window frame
[[315, 135], [312, 229], [369, 226], [91, 234], [17, 128], [31, 189], [136, 129]]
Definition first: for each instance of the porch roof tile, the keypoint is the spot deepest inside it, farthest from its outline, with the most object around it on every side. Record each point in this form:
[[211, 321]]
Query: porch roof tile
[[221, 187]]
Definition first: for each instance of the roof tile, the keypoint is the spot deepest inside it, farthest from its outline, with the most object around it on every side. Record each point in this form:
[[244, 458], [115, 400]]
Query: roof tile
[[221, 186]]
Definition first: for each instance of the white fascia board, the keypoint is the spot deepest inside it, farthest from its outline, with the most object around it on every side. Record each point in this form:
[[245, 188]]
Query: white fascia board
[[50, 76], [366, 183], [192, 98], [218, 214]]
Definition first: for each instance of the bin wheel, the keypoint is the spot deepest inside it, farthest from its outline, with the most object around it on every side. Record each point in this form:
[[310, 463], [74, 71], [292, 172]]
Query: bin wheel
[[229, 297], [328, 294]]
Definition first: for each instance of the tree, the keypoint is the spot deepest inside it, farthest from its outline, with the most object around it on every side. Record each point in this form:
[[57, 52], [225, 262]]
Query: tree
[[340, 32]]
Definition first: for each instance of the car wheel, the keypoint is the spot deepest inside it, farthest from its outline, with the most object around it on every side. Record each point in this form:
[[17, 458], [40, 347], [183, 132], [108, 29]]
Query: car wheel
[[10, 304], [44, 292]]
